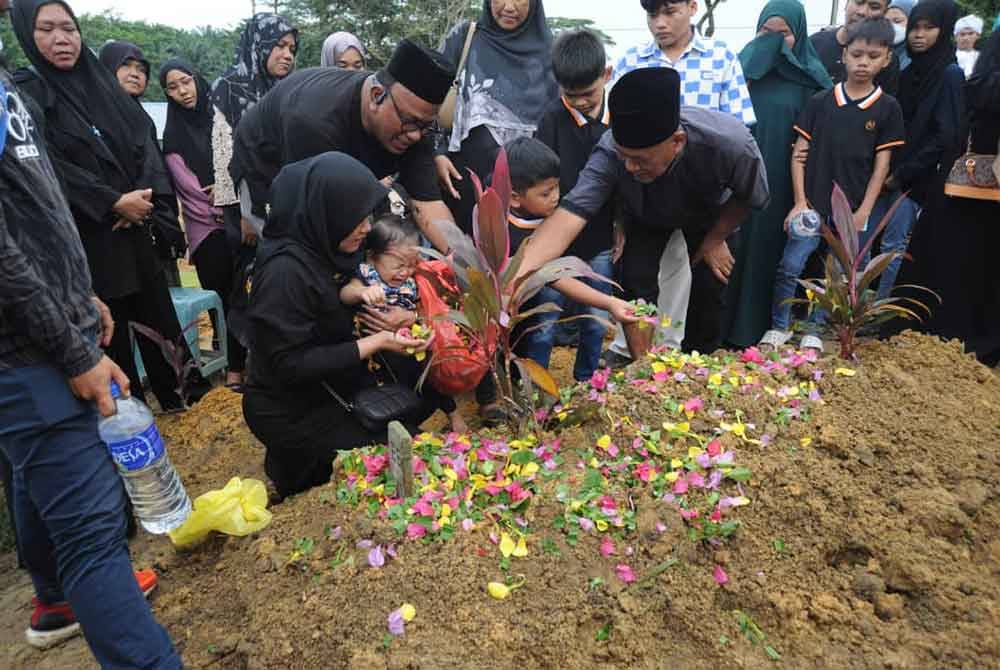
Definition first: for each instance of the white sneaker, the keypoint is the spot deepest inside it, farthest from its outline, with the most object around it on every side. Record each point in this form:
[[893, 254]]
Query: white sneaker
[[812, 342], [775, 339]]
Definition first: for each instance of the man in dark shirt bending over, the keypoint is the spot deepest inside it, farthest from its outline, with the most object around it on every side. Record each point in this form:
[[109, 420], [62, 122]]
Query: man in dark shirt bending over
[[380, 119], [675, 168]]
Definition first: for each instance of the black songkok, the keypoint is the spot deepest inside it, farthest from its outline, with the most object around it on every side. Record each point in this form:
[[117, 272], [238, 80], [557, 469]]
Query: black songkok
[[425, 72], [645, 107]]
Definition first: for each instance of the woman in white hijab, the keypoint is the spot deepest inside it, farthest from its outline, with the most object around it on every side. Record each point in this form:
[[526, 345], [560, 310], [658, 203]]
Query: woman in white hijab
[[343, 50], [967, 32]]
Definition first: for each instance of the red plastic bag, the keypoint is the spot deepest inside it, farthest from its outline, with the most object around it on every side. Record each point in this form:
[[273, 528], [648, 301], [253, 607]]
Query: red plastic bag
[[456, 367]]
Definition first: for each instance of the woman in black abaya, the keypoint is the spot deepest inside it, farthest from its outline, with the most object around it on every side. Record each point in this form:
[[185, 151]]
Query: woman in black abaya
[[100, 142], [301, 335]]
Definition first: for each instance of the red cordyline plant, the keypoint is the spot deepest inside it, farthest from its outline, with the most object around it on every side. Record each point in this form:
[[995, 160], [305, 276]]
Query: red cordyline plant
[[493, 296], [176, 354], [844, 292]]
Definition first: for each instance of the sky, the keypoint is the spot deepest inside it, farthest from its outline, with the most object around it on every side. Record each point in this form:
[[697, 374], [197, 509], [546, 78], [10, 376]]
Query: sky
[[735, 19]]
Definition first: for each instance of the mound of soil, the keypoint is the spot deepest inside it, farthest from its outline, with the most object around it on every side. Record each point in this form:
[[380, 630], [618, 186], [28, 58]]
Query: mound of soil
[[869, 540]]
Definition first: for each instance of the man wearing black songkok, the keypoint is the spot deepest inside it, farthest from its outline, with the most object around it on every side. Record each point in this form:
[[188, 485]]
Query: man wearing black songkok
[[675, 167], [380, 119]]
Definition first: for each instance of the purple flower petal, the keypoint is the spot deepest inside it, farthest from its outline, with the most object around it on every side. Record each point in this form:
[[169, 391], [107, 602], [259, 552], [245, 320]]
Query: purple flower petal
[[376, 558], [391, 551], [397, 625], [365, 544], [586, 524]]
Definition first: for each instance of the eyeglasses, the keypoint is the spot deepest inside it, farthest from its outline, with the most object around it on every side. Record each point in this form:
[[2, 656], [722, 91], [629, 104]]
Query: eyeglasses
[[409, 124]]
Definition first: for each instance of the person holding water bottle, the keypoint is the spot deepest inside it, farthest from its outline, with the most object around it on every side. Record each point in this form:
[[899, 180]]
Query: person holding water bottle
[[54, 386], [849, 132]]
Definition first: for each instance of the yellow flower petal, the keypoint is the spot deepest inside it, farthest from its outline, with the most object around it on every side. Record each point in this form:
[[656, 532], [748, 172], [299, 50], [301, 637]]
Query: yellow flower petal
[[806, 441], [575, 505], [529, 469], [408, 611], [604, 441], [665, 322], [498, 590], [676, 463], [445, 510], [672, 476], [845, 372], [594, 463], [715, 380], [521, 550], [684, 427], [658, 367], [507, 545], [602, 525], [695, 452], [734, 381]]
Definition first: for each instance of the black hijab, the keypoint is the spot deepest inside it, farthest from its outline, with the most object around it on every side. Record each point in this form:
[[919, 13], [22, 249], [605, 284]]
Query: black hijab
[[113, 55], [508, 80], [245, 83], [189, 131], [316, 203], [921, 78], [89, 89]]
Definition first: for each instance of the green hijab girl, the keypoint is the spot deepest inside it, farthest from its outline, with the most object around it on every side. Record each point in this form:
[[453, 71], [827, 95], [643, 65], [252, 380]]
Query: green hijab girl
[[783, 71]]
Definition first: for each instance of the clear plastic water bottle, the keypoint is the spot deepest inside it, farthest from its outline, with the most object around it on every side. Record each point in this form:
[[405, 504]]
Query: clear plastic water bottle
[[159, 498], [805, 224]]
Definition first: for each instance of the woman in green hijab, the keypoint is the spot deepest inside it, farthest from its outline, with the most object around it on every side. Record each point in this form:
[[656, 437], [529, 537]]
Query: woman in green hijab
[[783, 71]]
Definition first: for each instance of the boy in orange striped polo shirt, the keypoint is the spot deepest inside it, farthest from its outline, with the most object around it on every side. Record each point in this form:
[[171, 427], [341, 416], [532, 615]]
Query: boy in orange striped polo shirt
[[849, 133]]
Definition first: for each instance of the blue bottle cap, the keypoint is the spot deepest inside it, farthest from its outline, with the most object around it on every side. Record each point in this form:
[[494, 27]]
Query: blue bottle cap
[[115, 391]]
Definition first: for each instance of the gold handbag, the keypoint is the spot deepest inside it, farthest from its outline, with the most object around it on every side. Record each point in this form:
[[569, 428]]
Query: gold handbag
[[975, 176], [446, 113]]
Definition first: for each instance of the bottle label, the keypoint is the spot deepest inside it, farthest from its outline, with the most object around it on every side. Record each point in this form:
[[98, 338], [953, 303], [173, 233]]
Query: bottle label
[[139, 451]]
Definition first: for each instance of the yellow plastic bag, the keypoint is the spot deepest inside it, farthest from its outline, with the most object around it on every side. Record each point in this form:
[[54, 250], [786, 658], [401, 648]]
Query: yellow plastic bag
[[239, 509]]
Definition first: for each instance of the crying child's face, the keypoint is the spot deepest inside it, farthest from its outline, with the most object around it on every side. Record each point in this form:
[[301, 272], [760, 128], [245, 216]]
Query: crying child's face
[[396, 265]]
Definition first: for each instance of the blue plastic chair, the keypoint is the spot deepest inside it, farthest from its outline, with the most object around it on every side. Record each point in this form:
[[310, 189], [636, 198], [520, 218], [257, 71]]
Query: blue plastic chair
[[189, 303]]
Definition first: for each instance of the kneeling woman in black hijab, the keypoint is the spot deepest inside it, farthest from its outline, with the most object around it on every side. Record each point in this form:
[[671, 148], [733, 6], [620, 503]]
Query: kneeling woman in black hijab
[[302, 337]]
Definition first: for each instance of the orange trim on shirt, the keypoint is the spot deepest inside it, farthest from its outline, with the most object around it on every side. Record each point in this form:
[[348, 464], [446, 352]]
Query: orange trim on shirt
[[523, 224], [871, 99], [839, 95], [889, 145], [578, 117], [802, 133]]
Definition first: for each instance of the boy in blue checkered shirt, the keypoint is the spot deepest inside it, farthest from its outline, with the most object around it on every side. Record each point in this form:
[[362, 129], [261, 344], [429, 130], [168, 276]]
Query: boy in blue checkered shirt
[[711, 78]]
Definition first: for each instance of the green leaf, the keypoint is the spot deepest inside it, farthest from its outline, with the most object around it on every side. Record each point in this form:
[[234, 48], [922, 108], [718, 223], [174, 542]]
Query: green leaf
[[740, 474], [522, 456], [772, 653], [779, 545], [604, 633]]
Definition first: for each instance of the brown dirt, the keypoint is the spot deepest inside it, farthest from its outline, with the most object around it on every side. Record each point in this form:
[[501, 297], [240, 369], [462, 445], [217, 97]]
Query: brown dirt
[[874, 546]]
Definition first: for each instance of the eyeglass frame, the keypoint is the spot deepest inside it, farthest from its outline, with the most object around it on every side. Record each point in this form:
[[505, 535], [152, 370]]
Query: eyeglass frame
[[407, 124]]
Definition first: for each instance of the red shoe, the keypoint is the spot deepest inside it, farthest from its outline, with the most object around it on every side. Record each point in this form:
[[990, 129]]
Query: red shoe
[[53, 624], [147, 581]]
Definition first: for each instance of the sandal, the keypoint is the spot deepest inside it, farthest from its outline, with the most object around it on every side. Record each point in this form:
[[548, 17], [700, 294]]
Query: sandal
[[812, 342], [774, 339]]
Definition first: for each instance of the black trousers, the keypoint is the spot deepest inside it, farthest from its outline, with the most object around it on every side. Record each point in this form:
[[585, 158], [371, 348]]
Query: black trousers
[[151, 307], [640, 272], [303, 433], [216, 268]]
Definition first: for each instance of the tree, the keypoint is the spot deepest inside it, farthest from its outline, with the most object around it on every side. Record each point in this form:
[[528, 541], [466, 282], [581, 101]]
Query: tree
[[558, 24], [209, 50], [706, 24]]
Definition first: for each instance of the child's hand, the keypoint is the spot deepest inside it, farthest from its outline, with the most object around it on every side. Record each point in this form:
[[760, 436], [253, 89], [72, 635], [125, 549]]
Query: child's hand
[[861, 220], [796, 210], [458, 424], [372, 295]]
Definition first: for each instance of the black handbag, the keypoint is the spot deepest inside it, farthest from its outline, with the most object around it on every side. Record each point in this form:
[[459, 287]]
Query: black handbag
[[376, 407]]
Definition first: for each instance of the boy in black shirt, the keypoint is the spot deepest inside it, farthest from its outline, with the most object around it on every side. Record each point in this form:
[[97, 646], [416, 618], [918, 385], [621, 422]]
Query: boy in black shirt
[[849, 132], [571, 126], [830, 44]]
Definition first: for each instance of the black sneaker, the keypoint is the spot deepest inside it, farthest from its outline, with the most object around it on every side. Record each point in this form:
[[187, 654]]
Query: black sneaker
[[613, 360]]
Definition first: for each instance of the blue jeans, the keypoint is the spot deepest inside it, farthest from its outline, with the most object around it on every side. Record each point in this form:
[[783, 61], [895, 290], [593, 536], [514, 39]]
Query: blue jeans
[[68, 504], [537, 345], [895, 237], [793, 261]]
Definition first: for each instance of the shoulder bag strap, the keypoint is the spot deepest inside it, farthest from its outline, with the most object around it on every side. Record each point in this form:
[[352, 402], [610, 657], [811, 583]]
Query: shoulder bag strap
[[465, 49], [336, 396]]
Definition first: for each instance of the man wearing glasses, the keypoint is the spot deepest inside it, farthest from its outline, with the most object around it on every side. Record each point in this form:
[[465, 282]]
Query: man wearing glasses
[[381, 119]]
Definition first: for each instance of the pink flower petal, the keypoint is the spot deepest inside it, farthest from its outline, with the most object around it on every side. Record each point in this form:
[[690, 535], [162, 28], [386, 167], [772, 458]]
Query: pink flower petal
[[415, 531], [720, 575], [625, 573], [607, 547]]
